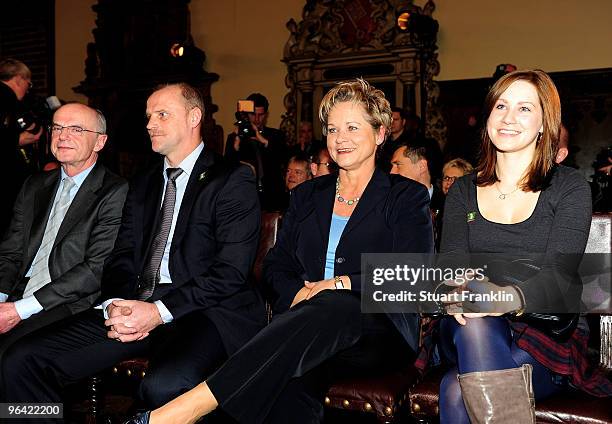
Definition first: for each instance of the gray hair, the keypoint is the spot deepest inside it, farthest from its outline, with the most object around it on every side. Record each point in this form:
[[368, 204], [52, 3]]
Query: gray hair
[[10, 68]]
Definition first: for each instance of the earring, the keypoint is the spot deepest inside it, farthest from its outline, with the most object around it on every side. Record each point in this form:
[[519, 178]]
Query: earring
[[539, 136]]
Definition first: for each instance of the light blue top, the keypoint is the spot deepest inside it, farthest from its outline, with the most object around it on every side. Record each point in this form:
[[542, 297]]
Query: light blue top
[[335, 232]]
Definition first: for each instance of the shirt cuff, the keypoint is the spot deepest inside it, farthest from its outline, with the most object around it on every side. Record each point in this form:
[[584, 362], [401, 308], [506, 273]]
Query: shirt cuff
[[105, 304], [27, 307], [3, 297], [164, 313]]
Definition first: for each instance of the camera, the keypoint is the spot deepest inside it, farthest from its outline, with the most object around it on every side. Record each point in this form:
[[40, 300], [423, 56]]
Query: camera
[[601, 160], [245, 128], [37, 112]]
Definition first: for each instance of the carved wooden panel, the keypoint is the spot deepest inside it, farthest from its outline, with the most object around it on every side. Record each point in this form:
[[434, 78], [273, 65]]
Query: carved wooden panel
[[343, 39]]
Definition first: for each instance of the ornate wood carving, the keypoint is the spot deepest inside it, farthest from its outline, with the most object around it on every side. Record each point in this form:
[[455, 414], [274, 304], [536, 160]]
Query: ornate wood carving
[[341, 39], [131, 56]]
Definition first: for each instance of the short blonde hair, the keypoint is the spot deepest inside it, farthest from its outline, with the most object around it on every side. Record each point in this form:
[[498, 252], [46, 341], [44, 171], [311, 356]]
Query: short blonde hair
[[358, 91], [459, 163]]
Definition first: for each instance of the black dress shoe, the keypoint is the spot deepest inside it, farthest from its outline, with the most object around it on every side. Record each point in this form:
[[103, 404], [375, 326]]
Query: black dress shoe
[[140, 418]]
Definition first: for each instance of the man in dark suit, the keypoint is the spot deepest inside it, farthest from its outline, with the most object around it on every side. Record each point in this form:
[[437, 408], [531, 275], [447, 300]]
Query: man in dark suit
[[175, 286], [418, 160], [266, 152], [15, 82], [64, 226]]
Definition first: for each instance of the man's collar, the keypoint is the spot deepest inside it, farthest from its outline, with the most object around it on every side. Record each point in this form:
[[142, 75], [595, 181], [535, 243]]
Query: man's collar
[[78, 178], [188, 163], [430, 189]]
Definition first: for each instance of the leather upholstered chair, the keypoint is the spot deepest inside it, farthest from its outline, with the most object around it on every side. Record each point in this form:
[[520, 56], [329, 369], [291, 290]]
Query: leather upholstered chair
[[381, 395], [571, 407]]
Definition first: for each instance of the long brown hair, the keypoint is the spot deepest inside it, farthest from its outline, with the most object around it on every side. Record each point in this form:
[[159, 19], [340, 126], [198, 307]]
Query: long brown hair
[[546, 147]]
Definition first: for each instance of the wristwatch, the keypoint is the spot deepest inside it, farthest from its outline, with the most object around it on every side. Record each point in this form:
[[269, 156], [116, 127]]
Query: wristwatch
[[338, 283]]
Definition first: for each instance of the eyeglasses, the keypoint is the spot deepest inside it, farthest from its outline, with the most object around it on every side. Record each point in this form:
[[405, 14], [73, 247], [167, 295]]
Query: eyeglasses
[[448, 179], [57, 129], [28, 81]]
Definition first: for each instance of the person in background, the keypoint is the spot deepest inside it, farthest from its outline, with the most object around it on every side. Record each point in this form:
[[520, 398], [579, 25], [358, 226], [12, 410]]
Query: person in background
[[322, 163], [266, 152], [306, 143], [452, 170], [563, 148], [414, 160], [298, 171], [15, 81]]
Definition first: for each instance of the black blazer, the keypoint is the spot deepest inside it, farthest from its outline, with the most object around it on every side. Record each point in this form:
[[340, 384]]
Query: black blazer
[[84, 240], [212, 251], [391, 216]]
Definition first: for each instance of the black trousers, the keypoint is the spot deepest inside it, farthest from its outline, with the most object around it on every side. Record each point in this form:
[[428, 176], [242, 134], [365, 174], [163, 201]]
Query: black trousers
[[283, 373], [183, 353], [35, 322]]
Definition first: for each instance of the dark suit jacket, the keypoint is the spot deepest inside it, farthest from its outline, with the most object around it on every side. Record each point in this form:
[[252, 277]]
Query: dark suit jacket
[[273, 157], [84, 240], [12, 171], [391, 216], [212, 250]]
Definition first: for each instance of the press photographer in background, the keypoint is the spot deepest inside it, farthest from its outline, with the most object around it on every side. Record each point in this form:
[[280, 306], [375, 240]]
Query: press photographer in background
[[16, 80], [262, 147], [601, 186]]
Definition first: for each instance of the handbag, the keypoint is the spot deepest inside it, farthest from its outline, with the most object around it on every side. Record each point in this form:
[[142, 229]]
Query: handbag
[[558, 327]]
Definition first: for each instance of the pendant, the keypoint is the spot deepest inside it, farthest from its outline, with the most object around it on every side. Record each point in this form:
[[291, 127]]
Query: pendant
[[502, 197]]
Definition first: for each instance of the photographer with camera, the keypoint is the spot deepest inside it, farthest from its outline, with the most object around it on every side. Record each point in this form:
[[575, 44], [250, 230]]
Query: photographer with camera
[[601, 186], [16, 80], [264, 148]]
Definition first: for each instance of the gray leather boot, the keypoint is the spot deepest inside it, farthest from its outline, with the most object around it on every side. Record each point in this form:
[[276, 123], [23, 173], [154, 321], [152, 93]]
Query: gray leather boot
[[499, 397]]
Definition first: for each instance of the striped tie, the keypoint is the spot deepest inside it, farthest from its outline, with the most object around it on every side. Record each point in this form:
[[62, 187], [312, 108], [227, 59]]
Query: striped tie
[[150, 274], [40, 266]]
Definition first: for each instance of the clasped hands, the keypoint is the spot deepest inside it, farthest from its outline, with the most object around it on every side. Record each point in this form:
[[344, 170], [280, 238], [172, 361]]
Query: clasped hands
[[480, 298], [131, 320], [311, 289]]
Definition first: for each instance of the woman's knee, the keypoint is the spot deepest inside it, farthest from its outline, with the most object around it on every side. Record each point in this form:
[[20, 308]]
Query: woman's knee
[[159, 387], [475, 330], [331, 306]]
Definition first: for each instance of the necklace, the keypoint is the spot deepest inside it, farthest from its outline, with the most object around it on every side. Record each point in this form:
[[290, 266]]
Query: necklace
[[502, 196], [341, 199]]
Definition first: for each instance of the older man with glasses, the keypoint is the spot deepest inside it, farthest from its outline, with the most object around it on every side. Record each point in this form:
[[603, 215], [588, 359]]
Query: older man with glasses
[[64, 227], [15, 81]]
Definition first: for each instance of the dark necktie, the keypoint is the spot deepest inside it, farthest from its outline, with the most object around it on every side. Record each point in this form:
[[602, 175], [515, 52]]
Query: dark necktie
[[150, 274]]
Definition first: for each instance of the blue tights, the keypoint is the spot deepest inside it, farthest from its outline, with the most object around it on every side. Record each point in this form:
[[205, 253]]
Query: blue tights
[[483, 344]]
